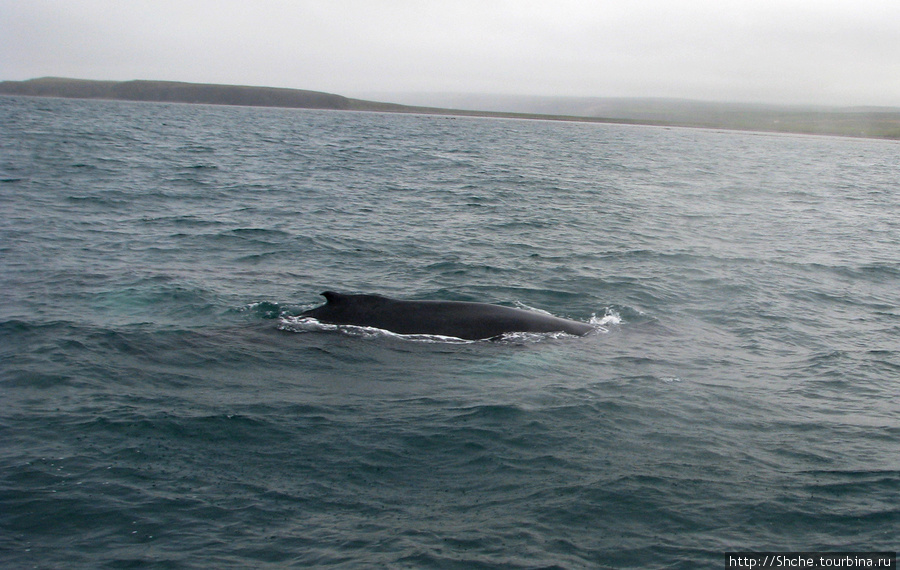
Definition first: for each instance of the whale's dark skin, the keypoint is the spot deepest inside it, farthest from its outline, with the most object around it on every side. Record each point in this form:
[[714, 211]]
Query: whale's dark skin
[[470, 321]]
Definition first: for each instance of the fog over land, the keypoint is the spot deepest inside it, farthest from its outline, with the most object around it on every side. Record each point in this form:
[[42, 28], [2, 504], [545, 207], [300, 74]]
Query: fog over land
[[857, 121]]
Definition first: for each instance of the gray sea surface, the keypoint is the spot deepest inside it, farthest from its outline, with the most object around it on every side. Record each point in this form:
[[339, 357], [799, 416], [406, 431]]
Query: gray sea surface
[[163, 407]]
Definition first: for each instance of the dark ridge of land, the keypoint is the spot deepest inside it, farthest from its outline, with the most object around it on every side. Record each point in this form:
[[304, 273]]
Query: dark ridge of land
[[854, 122], [174, 92]]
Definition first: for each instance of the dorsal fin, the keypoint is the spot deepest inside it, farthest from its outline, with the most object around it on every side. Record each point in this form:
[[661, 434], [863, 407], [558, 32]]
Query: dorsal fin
[[332, 297]]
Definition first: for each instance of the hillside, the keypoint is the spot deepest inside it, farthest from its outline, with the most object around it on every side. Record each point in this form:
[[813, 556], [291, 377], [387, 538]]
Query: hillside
[[175, 92]]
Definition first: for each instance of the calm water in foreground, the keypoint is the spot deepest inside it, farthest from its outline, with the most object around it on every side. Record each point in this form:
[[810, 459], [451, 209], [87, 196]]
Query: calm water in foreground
[[163, 408]]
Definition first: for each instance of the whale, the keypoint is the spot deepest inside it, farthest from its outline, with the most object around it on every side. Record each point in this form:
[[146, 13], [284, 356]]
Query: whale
[[458, 319]]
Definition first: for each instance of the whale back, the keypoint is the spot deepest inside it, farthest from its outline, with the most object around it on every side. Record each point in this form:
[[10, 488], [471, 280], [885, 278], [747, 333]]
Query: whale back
[[458, 319]]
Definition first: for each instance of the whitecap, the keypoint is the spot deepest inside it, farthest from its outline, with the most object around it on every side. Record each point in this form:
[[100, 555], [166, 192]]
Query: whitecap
[[309, 324]]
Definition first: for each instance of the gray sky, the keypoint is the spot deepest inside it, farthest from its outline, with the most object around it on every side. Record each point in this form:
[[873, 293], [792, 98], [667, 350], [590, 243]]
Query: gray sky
[[841, 52]]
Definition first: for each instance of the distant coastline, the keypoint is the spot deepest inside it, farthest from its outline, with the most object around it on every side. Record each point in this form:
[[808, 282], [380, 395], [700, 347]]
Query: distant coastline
[[881, 123]]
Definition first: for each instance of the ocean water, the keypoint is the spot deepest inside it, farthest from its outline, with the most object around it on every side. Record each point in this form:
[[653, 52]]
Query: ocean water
[[163, 408]]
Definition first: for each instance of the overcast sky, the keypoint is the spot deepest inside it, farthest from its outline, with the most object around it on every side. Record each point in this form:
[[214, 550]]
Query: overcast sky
[[840, 52]]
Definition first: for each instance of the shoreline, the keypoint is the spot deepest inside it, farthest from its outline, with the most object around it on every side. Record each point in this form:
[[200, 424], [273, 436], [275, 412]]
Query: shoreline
[[867, 123]]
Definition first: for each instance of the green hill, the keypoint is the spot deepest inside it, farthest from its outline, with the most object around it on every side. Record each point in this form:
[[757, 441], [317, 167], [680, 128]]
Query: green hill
[[175, 92]]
